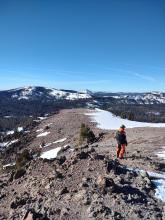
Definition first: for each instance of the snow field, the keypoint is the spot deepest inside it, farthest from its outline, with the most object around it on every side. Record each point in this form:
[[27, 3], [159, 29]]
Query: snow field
[[106, 120]]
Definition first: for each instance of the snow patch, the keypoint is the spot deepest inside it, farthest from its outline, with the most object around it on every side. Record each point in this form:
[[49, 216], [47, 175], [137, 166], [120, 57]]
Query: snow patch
[[7, 144], [51, 153], [74, 96], [8, 165], [19, 129], [160, 189], [39, 130], [161, 154], [57, 93], [10, 132], [43, 134], [160, 183], [42, 118], [59, 141], [28, 91], [23, 97], [65, 146], [156, 175], [26, 132], [69, 95], [55, 142], [7, 116], [4, 144]]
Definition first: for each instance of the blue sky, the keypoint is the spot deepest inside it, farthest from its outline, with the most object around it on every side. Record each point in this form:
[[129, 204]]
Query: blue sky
[[105, 45]]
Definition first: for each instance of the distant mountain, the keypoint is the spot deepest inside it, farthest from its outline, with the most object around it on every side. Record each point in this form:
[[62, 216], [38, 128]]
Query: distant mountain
[[38, 101], [38, 93], [51, 94], [133, 98]]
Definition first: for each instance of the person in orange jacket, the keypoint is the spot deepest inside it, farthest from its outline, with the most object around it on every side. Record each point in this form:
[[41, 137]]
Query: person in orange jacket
[[121, 142]]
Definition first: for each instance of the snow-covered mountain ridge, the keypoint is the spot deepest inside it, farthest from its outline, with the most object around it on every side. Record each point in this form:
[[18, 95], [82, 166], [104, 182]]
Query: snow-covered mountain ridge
[[147, 98], [47, 94], [34, 93], [135, 98]]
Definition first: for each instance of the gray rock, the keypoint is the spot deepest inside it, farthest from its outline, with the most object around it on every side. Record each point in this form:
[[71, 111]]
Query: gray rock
[[63, 191], [143, 174], [64, 212]]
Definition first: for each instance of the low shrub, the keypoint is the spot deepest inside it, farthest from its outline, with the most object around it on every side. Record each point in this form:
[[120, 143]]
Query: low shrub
[[22, 159], [86, 134], [19, 173]]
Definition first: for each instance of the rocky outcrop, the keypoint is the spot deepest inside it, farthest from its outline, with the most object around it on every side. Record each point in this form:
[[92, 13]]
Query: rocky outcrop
[[84, 185]]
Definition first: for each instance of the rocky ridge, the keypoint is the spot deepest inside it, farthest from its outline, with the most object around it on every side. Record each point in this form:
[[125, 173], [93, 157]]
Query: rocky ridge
[[83, 182], [85, 185]]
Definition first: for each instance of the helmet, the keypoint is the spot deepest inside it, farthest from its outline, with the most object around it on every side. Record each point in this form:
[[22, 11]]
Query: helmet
[[122, 126]]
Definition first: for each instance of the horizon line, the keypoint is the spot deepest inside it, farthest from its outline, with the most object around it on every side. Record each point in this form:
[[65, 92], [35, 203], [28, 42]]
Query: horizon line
[[103, 91]]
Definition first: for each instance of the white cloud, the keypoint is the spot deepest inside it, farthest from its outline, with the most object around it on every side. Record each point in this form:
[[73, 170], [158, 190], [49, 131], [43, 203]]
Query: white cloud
[[145, 77], [133, 73]]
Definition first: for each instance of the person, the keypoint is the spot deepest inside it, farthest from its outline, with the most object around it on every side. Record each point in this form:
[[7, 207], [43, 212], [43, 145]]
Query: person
[[121, 142]]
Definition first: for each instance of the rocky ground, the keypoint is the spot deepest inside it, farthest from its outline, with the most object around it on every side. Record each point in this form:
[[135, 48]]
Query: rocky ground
[[84, 182]]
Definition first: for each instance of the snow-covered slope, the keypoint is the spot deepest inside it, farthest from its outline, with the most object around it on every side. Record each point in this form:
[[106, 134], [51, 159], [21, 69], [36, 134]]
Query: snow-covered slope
[[147, 98], [106, 120], [69, 95], [23, 93]]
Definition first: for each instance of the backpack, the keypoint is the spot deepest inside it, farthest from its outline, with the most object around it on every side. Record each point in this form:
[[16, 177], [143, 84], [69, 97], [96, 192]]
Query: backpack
[[120, 137]]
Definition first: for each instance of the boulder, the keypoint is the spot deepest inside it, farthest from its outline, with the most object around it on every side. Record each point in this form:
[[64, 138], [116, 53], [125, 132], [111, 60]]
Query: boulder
[[105, 183]]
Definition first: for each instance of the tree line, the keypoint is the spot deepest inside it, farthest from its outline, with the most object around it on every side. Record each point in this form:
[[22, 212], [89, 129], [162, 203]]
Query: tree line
[[143, 113]]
